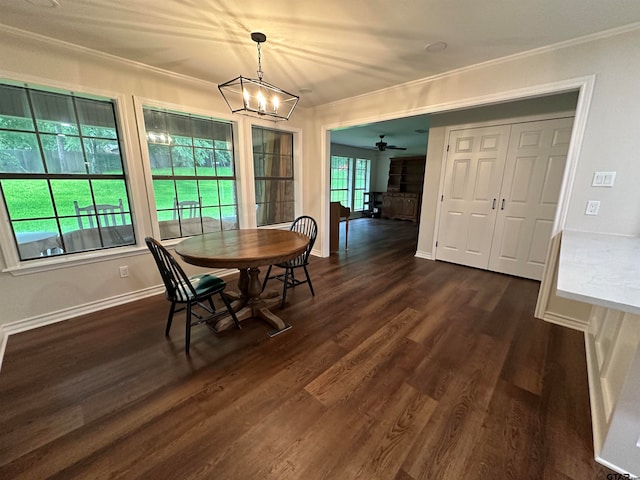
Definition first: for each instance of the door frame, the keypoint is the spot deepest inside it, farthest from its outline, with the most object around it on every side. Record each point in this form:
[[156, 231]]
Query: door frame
[[585, 86], [494, 123]]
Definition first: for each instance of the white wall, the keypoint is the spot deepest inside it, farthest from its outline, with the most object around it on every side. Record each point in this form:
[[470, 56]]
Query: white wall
[[38, 297]]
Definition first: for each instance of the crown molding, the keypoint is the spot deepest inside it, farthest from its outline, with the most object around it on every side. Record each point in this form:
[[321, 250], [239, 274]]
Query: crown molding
[[497, 61], [105, 56]]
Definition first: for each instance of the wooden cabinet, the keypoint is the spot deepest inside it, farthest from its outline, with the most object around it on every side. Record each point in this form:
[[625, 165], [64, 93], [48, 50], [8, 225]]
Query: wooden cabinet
[[404, 189], [406, 174], [401, 206]]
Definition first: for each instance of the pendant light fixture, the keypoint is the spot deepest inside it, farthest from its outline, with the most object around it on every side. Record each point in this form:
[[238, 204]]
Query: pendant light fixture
[[255, 97]]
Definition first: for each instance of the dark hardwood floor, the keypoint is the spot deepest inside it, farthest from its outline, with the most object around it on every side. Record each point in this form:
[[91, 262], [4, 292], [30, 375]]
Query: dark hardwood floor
[[399, 368]]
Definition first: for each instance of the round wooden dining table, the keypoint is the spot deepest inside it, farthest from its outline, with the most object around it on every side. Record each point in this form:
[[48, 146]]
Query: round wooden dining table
[[246, 250]]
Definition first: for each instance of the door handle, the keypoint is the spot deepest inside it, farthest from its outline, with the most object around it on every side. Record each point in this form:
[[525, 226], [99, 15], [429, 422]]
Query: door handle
[[502, 207], [493, 206]]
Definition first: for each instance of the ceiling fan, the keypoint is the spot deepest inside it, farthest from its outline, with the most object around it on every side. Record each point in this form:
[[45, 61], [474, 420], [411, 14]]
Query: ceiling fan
[[382, 145]]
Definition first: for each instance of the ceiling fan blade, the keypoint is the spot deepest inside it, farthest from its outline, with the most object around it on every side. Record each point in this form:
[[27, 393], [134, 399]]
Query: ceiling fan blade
[[393, 147]]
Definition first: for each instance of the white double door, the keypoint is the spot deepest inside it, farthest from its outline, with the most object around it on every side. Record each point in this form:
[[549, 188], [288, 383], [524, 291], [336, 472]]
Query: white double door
[[500, 195]]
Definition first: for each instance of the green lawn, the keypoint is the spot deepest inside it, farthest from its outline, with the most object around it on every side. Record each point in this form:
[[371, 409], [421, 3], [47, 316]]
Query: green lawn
[[30, 201]]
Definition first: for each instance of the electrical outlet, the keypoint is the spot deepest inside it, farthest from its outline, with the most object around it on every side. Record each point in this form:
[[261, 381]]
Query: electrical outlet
[[124, 271], [592, 207]]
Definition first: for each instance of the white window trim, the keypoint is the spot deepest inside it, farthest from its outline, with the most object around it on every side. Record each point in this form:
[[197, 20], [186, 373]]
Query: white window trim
[[298, 200], [13, 264], [139, 103]]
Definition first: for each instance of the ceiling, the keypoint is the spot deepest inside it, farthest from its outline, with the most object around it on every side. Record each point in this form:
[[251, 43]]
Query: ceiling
[[324, 51], [410, 133]]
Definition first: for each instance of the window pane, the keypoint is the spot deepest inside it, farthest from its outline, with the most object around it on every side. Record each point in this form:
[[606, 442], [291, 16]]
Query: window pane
[[66, 192], [63, 154], [103, 156], [187, 190], [205, 161], [27, 199], [183, 161], [19, 153], [180, 128], [160, 159], [97, 119], [54, 113], [111, 192], [224, 163], [227, 191], [209, 192], [165, 193], [14, 109], [37, 238], [203, 132]]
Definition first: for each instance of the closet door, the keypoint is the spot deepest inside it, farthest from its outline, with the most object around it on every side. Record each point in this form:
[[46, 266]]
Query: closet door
[[473, 175], [529, 196]]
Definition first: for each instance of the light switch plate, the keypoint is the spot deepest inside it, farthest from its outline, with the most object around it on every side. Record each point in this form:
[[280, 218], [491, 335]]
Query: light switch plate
[[603, 179]]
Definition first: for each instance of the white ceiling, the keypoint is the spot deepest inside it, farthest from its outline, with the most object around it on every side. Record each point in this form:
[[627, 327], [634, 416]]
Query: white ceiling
[[335, 48]]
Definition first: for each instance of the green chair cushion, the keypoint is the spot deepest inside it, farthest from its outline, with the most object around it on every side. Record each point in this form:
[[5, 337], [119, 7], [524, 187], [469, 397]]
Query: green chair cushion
[[206, 283]]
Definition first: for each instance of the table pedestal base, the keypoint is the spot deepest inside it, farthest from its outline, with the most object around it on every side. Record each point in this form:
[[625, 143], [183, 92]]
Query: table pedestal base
[[252, 303]]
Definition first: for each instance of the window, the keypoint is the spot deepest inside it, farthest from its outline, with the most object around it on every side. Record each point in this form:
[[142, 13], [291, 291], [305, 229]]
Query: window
[[193, 172], [340, 180], [350, 178], [362, 174], [273, 171], [61, 173]]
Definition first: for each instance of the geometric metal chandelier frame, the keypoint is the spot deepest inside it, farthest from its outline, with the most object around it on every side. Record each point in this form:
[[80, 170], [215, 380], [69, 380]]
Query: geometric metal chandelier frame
[[255, 97]]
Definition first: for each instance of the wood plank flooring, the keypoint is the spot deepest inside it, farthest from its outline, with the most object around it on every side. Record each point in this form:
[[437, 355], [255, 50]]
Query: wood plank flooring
[[399, 368]]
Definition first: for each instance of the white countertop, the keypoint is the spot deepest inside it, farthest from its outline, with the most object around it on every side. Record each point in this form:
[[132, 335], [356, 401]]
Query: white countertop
[[601, 269]]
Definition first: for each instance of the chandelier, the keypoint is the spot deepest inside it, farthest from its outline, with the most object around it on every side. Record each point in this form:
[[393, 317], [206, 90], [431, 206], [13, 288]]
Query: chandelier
[[255, 97]]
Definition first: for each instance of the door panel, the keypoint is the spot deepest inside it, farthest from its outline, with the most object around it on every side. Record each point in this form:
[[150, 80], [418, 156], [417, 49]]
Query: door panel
[[473, 175], [529, 195]]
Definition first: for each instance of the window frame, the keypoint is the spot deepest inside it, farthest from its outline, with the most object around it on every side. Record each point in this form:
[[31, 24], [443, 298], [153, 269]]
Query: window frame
[[269, 178], [355, 188], [351, 178], [298, 170], [140, 103], [12, 262]]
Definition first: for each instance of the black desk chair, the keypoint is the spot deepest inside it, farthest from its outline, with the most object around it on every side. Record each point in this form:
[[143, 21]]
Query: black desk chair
[[307, 226], [190, 291]]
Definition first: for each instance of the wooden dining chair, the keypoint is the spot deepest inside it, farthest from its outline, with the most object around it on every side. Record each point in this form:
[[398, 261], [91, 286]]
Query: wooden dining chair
[[106, 214], [188, 291], [187, 208], [307, 226]]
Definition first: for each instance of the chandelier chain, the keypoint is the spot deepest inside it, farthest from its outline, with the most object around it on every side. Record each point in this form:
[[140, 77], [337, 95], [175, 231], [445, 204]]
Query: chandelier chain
[[259, 63]]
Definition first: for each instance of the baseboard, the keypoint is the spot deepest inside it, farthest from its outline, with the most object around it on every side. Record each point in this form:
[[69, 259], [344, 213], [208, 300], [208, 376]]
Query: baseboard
[[565, 321], [596, 396], [69, 313], [3, 344], [425, 255]]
